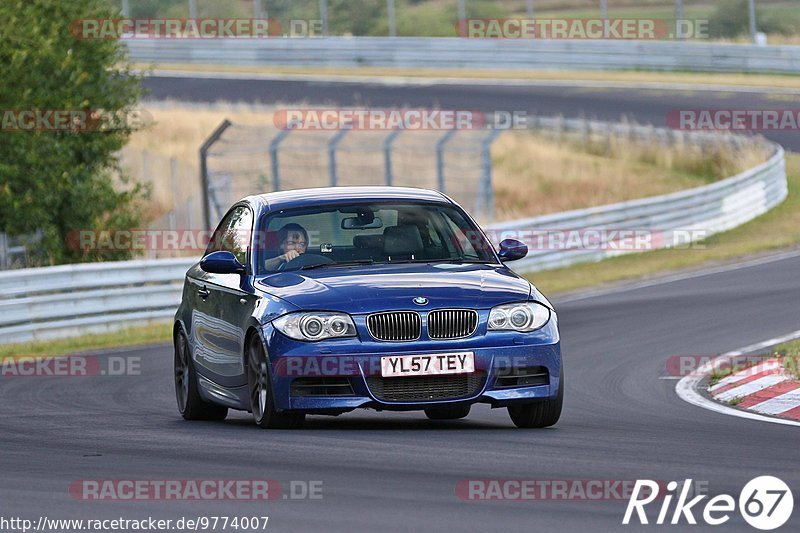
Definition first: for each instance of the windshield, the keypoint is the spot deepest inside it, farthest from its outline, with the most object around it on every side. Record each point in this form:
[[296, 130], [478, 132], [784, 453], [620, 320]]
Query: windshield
[[359, 233]]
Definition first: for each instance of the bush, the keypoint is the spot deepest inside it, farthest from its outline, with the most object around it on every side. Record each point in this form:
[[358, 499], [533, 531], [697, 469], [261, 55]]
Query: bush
[[61, 181]]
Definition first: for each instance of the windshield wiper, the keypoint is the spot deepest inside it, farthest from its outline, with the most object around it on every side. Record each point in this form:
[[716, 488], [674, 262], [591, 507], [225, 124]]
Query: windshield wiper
[[340, 263], [443, 260]]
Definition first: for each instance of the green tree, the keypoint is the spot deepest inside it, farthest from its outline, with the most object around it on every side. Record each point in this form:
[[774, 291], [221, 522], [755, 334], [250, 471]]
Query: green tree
[[62, 181]]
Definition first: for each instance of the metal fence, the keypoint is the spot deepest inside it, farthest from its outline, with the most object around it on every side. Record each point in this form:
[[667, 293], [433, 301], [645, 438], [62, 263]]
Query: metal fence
[[174, 191], [458, 53], [239, 160], [66, 300], [16, 251]]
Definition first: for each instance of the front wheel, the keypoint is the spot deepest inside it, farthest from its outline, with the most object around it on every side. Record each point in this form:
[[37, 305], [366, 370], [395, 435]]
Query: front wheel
[[541, 414], [190, 404], [262, 402]]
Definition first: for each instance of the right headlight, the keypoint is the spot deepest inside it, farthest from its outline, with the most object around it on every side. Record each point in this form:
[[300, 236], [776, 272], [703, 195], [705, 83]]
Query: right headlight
[[523, 317], [311, 326]]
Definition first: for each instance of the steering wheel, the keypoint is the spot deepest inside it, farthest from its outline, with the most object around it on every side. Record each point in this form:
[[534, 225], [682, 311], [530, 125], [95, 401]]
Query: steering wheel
[[305, 260]]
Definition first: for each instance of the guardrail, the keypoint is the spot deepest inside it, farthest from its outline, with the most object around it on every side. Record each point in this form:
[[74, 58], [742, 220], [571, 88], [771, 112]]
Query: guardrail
[[67, 300], [456, 53], [42, 303], [670, 218]]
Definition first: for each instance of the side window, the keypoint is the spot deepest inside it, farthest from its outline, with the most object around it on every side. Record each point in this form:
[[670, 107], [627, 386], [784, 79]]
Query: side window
[[233, 234]]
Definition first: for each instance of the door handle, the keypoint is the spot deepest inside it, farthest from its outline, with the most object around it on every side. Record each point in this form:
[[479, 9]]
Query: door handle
[[203, 293]]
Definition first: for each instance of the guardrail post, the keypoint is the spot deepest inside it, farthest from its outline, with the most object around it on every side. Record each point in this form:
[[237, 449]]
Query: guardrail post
[[334, 142], [440, 183], [273, 158], [3, 251], [486, 195], [213, 138], [387, 155], [323, 15], [392, 20], [173, 178]]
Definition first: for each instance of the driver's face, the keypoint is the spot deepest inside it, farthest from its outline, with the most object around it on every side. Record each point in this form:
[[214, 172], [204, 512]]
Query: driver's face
[[294, 241]]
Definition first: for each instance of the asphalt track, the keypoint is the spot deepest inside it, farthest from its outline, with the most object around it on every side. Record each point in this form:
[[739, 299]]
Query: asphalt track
[[647, 106], [398, 472]]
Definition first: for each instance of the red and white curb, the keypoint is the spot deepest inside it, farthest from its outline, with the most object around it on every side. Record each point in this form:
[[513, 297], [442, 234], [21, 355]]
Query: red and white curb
[[764, 389]]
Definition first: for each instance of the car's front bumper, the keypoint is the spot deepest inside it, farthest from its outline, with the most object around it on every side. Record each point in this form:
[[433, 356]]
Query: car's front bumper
[[357, 363]]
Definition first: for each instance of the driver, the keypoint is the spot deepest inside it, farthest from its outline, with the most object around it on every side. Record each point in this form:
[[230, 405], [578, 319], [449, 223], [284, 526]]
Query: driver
[[293, 239]]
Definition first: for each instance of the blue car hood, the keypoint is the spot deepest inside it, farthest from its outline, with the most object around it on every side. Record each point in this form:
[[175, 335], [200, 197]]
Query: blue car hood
[[367, 289]]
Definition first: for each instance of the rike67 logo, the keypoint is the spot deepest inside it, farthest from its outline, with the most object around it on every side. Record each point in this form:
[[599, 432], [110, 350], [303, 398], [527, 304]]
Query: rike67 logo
[[765, 503]]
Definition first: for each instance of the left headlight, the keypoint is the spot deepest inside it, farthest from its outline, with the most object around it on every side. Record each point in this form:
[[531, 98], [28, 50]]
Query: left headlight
[[315, 326], [523, 316]]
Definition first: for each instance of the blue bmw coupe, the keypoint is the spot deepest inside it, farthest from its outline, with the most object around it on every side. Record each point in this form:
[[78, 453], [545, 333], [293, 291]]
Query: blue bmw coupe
[[321, 301]]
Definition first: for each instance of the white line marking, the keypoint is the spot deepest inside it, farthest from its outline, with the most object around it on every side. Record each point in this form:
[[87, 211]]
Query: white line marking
[[779, 404], [678, 277], [686, 388], [751, 387]]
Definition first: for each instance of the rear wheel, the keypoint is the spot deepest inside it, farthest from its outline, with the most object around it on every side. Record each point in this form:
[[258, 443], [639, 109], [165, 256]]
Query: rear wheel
[[450, 412], [262, 402], [190, 404], [540, 414]]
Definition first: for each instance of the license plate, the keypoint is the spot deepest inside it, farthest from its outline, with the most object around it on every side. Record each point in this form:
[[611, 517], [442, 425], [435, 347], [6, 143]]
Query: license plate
[[424, 365]]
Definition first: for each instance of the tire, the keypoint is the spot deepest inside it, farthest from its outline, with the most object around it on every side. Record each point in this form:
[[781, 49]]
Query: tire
[[262, 401], [541, 414], [450, 412], [190, 404]]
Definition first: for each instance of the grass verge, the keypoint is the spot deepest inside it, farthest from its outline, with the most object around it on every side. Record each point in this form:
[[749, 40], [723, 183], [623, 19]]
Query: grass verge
[[790, 352], [775, 230], [138, 336]]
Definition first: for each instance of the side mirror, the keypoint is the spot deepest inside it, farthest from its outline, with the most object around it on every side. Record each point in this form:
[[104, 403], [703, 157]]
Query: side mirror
[[222, 262], [512, 249]]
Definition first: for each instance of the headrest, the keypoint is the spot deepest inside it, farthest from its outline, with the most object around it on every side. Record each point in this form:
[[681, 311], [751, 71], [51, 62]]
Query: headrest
[[402, 240]]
